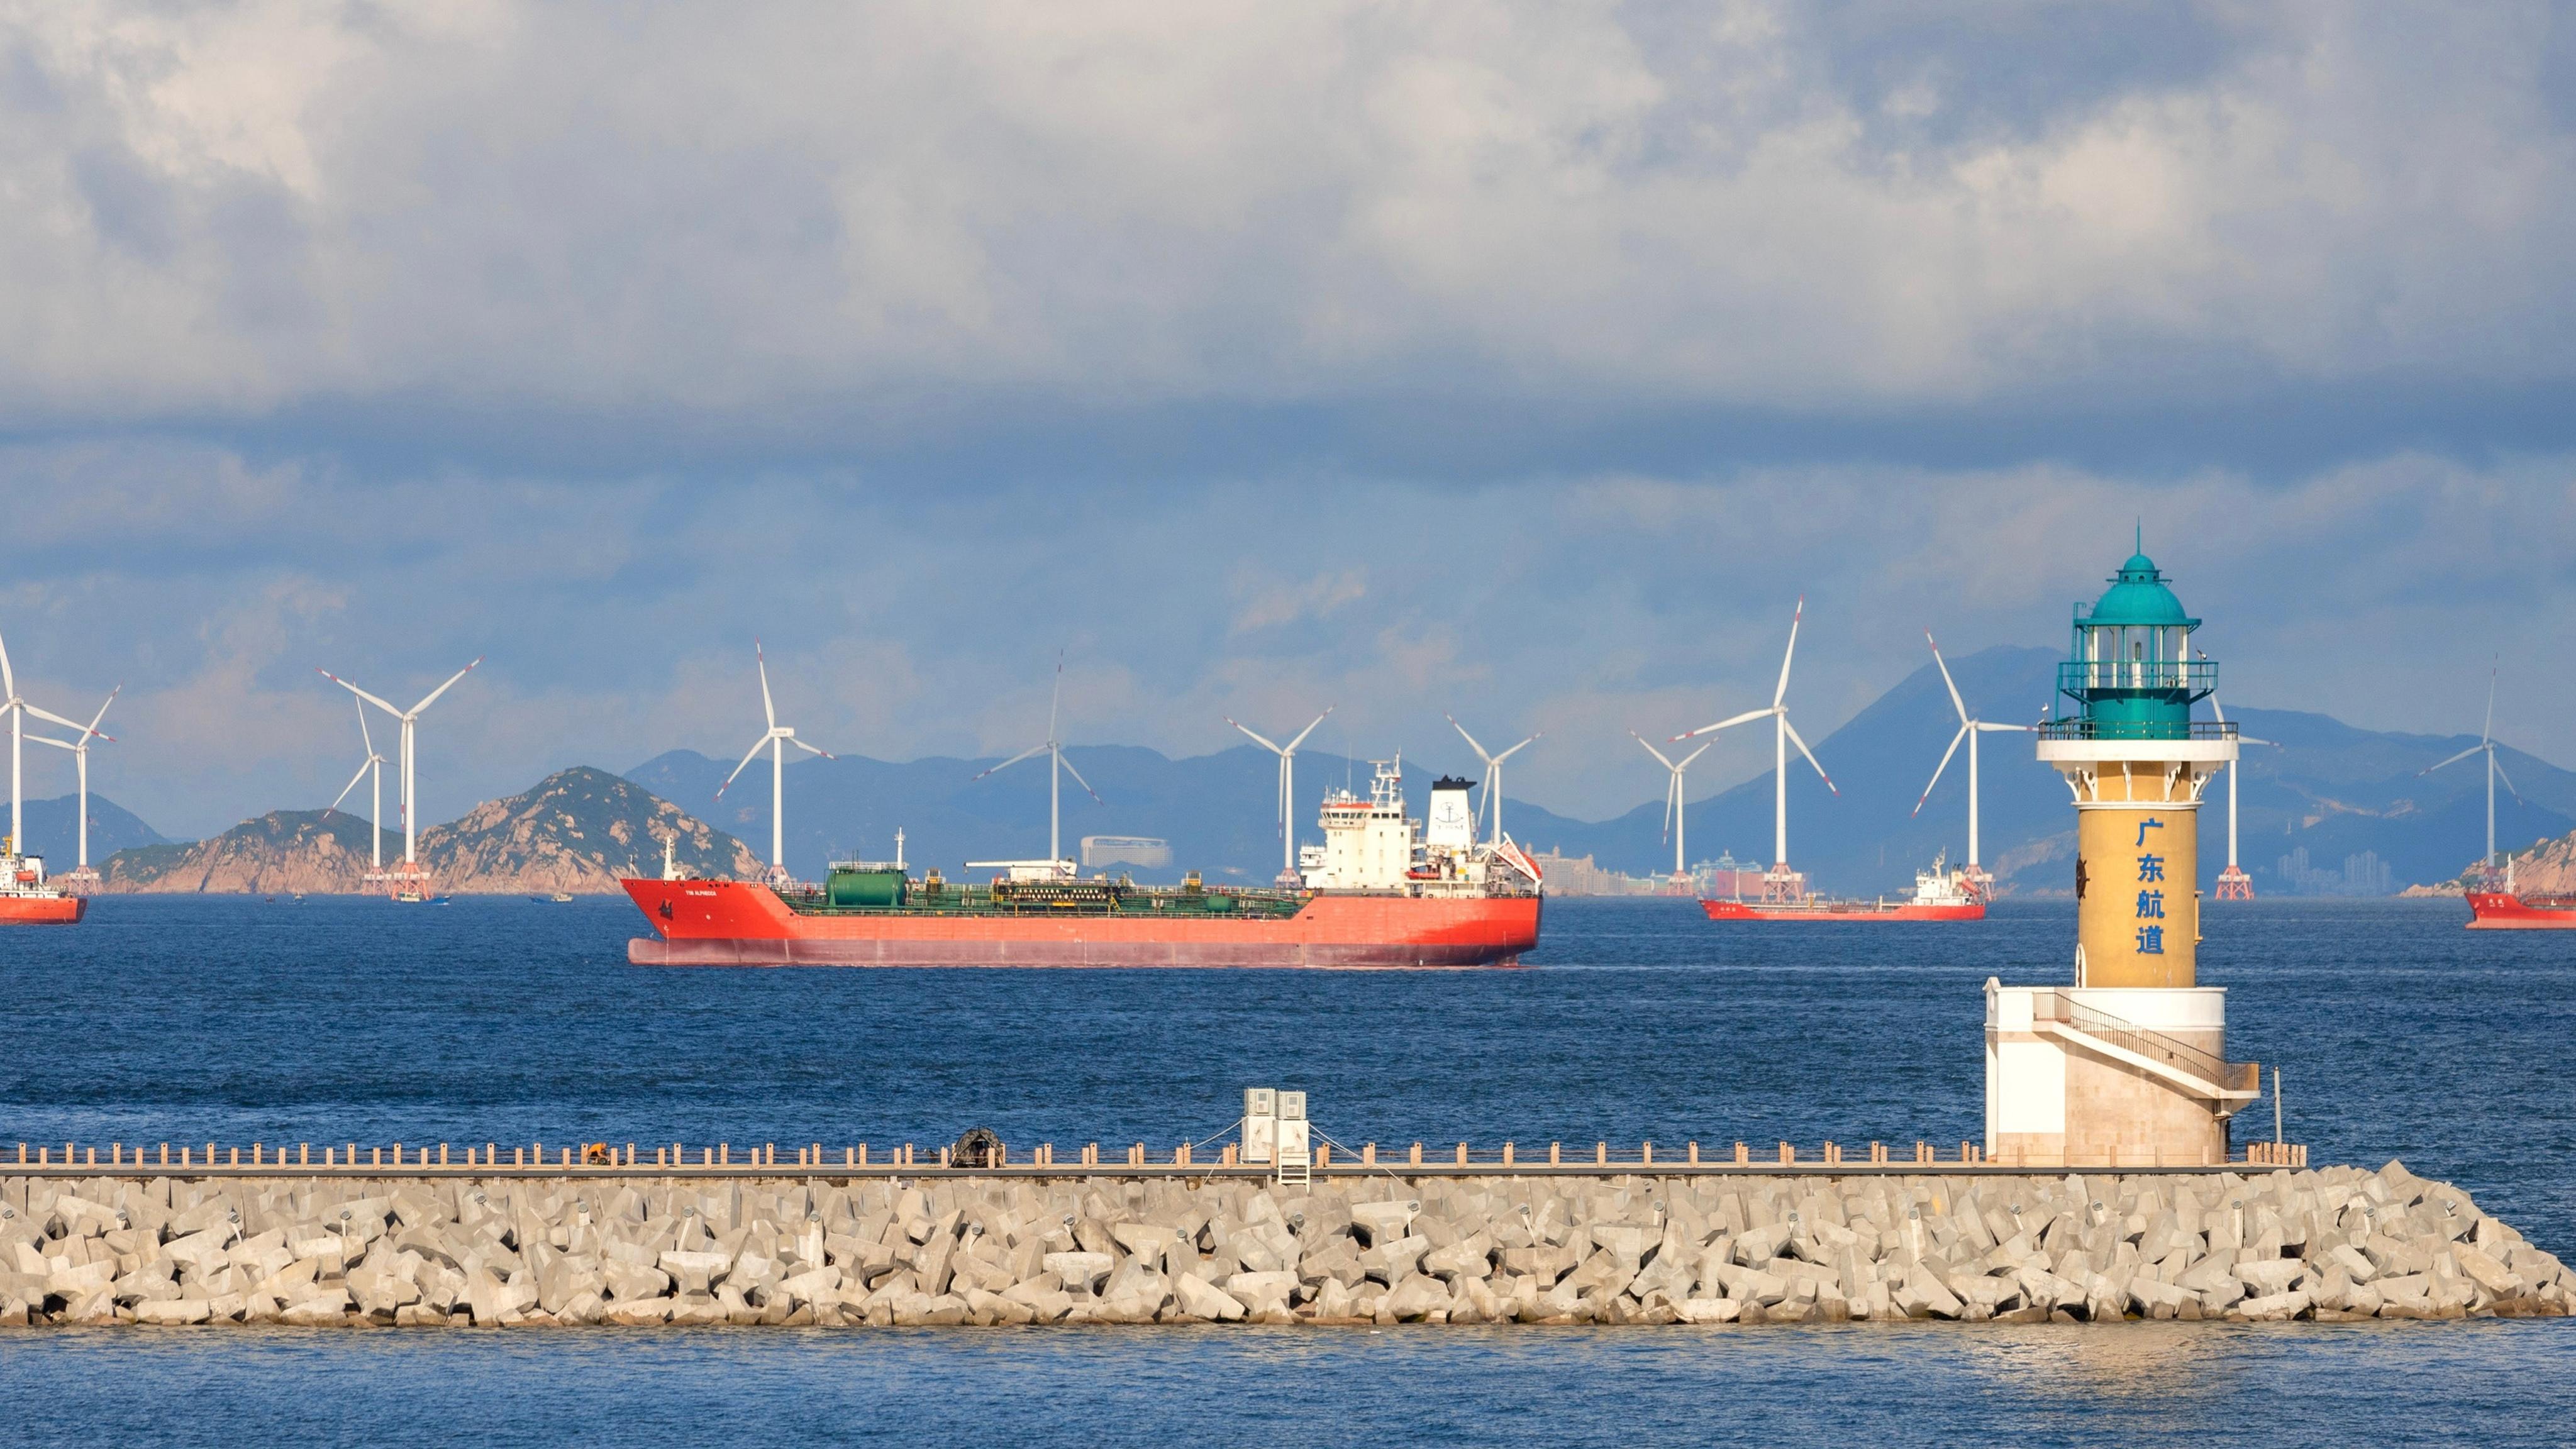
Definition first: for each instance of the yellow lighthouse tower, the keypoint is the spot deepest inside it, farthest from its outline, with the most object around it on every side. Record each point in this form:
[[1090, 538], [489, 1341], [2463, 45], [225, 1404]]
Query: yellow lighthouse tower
[[2126, 1067]]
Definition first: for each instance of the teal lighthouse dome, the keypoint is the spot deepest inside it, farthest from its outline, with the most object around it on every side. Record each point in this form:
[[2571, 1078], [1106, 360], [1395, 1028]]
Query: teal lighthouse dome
[[2130, 669]]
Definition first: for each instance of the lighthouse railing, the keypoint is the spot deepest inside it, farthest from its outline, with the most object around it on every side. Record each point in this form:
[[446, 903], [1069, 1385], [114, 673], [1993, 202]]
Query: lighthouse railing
[[2208, 1066]]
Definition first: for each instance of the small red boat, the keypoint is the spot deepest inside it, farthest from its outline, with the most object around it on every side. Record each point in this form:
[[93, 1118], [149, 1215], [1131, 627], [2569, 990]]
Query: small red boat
[[1939, 895], [2507, 911]]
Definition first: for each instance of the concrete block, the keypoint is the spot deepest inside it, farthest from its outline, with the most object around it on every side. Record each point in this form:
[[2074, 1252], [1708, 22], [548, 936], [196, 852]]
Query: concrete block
[[1207, 1301], [1079, 1270], [2273, 1307], [1393, 1259], [170, 1310], [2268, 1276]]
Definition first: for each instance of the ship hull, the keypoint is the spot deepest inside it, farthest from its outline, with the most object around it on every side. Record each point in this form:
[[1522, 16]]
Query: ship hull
[[733, 923], [42, 910], [2499, 911], [1841, 911]]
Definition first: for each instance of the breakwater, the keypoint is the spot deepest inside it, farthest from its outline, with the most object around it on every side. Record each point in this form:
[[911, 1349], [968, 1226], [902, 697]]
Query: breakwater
[[758, 1244]]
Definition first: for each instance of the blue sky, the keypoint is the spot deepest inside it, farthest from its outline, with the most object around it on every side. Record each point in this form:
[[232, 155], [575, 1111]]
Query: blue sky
[[1522, 361]]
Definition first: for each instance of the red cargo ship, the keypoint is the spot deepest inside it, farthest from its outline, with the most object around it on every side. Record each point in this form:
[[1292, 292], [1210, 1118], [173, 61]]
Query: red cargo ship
[[1939, 895], [2506, 911], [1377, 894]]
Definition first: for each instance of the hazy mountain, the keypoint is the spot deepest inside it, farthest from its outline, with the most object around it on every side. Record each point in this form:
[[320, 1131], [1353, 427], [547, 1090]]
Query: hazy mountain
[[53, 829], [578, 830], [2329, 788]]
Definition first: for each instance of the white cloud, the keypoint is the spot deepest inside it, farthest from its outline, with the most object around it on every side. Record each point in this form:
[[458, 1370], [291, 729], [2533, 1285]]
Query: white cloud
[[233, 209]]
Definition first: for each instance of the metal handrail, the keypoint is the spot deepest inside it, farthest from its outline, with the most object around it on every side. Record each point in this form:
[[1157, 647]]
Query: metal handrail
[[2074, 676], [2058, 1006], [2076, 727]]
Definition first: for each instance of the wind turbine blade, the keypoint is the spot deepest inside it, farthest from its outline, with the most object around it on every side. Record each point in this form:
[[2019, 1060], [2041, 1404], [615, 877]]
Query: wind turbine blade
[[1956, 702], [363, 734], [2508, 779], [1310, 729], [767, 706], [2250, 740], [1013, 760], [1516, 749], [1672, 789], [8, 681], [2487, 732], [442, 689], [1256, 735], [1693, 755], [1057, 697], [1782, 692], [360, 693], [102, 710], [756, 747], [1810, 754], [1077, 779], [1937, 769], [49, 716], [2455, 759], [1987, 727], [1650, 749], [1470, 739], [50, 740], [352, 785], [809, 749], [1747, 717]]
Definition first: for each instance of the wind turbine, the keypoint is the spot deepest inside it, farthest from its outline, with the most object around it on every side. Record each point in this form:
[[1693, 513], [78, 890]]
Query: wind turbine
[[1778, 881], [18, 709], [1493, 770], [1057, 767], [775, 740], [79, 746], [410, 778], [376, 816], [2495, 767], [2233, 883], [1287, 790], [1969, 728], [1673, 798]]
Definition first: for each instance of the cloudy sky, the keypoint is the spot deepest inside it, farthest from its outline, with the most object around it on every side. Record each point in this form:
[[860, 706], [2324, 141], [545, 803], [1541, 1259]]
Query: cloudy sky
[[1527, 361]]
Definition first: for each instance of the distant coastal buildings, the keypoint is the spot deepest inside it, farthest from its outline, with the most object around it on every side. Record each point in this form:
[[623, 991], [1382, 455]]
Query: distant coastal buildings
[[1577, 875], [2362, 875]]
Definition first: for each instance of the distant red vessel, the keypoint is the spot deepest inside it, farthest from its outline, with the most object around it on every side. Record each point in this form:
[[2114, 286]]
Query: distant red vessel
[[27, 900], [1939, 895], [2506, 911]]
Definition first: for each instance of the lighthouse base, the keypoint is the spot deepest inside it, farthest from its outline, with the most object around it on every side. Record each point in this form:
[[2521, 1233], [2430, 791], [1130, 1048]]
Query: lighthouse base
[[2110, 1077]]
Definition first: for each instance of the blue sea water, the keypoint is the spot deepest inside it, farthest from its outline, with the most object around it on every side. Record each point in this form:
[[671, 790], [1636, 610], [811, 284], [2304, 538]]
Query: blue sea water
[[232, 1020]]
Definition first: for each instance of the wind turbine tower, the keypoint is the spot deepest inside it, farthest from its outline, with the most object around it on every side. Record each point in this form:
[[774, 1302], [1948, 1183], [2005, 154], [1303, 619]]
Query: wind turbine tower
[[1779, 883], [1493, 771], [2486, 746], [376, 814], [411, 883], [1973, 877], [83, 877], [1287, 753], [1057, 767], [775, 739], [1673, 804], [2233, 883], [17, 708]]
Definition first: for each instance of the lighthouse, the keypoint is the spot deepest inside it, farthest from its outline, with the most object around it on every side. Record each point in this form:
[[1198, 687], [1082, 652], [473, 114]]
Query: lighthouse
[[2126, 1066]]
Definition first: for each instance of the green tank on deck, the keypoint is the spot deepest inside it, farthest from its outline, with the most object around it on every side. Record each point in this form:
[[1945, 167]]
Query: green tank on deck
[[865, 887]]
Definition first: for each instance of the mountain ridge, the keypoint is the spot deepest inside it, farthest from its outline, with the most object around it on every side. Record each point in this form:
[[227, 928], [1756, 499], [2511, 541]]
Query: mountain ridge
[[575, 831]]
